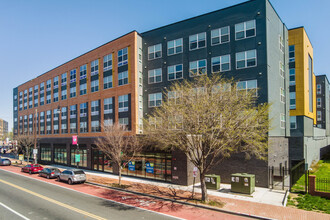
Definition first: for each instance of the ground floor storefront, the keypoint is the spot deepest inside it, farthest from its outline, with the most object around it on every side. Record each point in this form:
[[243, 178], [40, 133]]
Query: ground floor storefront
[[171, 166]]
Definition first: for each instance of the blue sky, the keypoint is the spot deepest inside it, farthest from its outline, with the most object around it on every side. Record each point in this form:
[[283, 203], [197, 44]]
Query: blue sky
[[38, 35]]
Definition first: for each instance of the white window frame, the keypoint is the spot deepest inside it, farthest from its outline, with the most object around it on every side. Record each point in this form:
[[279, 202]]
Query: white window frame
[[174, 72], [246, 85], [246, 59], [95, 67], [221, 58], [282, 95], [154, 74], [73, 91], [217, 33], [176, 45], [154, 50], [153, 98], [123, 54], [281, 69], [95, 104], [108, 102], [198, 36], [107, 59], [198, 67], [282, 121], [83, 89], [108, 82], [245, 29], [95, 85], [121, 101], [122, 76]]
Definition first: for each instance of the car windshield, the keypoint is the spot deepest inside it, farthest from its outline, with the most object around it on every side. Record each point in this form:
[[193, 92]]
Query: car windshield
[[79, 172], [36, 165]]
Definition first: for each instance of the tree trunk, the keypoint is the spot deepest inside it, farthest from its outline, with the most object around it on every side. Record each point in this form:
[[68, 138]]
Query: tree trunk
[[119, 176], [28, 155], [205, 197]]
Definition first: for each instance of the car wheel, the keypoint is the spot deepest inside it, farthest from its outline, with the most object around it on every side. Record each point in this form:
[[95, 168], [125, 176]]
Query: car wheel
[[39, 174], [83, 182], [48, 177], [22, 170], [58, 179], [70, 182], [30, 172]]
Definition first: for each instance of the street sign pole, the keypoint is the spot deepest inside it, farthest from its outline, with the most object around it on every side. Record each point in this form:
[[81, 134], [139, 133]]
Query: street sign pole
[[194, 174]]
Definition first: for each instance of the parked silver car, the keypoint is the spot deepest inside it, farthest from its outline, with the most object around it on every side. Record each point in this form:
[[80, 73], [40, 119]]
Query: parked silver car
[[50, 172], [72, 176], [4, 162]]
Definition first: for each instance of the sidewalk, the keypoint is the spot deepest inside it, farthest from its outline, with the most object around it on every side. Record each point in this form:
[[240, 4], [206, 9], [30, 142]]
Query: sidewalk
[[261, 195], [256, 205]]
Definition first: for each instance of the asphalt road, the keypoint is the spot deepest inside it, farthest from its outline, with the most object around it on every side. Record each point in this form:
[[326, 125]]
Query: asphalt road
[[25, 198]]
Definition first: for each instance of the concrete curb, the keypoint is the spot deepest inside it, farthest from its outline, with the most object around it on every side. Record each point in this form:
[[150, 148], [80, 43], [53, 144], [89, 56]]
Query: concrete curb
[[180, 202]]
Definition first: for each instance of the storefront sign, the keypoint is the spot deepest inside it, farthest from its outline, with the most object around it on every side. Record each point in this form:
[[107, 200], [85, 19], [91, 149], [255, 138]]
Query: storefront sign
[[74, 140], [35, 151], [21, 157], [131, 166], [77, 157], [150, 167]]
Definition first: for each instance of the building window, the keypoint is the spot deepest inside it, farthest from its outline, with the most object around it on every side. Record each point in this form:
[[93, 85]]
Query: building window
[[73, 92], [55, 97], [108, 106], [220, 35], [247, 86], [282, 95], [95, 85], [246, 59], [48, 99], [83, 127], [94, 108], [94, 67], [174, 72], [319, 115], [174, 47], [155, 99], [42, 101], [220, 64], [83, 72], [281, 69], [123, 56], [107, 62], [55, 82], [293, 122], [292, 77], [48, 85], [319, 102], [245, 30], [155, 51], [83, 89], [83, 109], [108, 122], [155, 76], [73, 111], [197, 41], [292, 100], [292, 54], [123, 103], [96, 126], [107, 82], [282, 121], [197, 68], [73, 127], [318, 89], [123, 121], [72, 75], [319, 125], [281, 44], [63, 79], [63, 94], [123, 78]]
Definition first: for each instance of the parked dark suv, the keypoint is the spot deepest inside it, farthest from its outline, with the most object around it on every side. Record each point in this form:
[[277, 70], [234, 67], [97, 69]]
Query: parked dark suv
[[72, 176]]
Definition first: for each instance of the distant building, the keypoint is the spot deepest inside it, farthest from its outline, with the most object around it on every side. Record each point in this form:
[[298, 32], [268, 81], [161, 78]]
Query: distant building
[[322, 103], [3, 128]]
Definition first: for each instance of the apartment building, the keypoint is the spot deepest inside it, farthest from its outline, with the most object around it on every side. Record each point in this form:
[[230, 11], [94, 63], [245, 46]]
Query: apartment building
[[123, 81], [3, 128], [322, 103]]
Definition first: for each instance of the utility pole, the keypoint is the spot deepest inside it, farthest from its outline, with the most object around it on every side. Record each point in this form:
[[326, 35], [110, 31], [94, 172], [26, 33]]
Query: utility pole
[[35, 135]]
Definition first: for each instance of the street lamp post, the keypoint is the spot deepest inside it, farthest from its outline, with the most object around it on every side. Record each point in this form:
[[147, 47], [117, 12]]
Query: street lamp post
[[35, 136]]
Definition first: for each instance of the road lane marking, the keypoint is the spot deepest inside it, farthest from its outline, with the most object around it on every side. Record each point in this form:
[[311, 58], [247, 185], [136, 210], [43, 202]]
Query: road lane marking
[[54, 201], [13, 211], [121, 203]]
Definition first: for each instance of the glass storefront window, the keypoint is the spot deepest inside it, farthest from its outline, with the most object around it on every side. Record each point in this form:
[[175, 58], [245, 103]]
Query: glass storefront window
[[60, 155], [83, 157], [45, 153]]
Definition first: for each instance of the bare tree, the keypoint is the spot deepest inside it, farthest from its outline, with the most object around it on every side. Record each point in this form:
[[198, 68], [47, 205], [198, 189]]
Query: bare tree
[[210, 119], [25, 144], [118, 145]]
